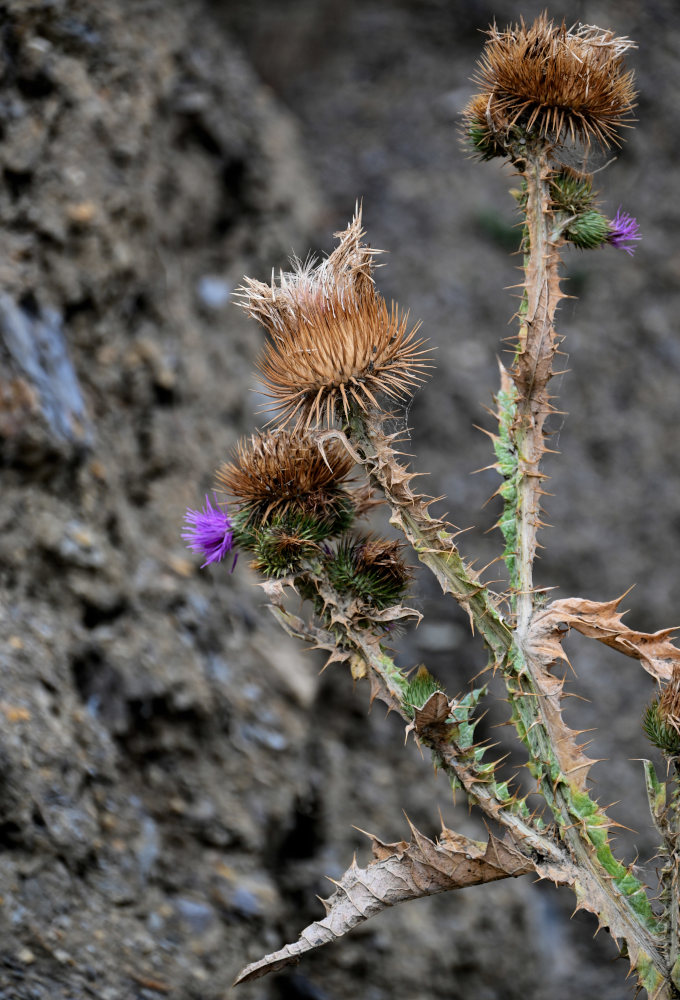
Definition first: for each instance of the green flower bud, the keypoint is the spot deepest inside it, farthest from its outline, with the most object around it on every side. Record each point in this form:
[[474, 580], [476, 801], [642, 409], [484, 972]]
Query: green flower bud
[[588, 231]]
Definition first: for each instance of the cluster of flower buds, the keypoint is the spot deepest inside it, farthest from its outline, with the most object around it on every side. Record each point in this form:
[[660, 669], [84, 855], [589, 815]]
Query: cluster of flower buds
[[545, 87], [290, 501], [334, 350]]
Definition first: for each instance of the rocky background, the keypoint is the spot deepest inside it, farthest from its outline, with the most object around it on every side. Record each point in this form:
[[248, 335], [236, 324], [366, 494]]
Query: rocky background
[[176, 777]]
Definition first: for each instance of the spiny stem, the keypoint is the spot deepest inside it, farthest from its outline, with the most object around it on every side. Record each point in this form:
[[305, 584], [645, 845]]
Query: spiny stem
[[391, 687], [429, 537], [614, 892], [672, 827], [537, 343]]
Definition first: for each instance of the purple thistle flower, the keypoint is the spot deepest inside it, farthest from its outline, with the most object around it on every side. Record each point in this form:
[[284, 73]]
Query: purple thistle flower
[[623, 229], [210, 532]]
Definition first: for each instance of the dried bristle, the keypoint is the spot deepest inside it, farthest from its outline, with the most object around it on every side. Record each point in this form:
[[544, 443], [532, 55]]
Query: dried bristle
[[383, 554], [562, 83], [275, 472], [334, 343]]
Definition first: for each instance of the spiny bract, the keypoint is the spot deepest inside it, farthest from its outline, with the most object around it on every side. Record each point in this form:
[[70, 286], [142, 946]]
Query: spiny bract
[[371, 569]]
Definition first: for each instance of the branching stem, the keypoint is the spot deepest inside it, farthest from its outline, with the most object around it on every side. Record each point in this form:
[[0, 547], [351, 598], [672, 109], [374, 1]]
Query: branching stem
[[389, 688]]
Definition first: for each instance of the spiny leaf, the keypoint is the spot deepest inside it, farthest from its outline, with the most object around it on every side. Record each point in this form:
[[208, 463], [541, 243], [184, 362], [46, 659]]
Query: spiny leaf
[[399, 872], [648, 967], [657, 793], [602, 621], [431, 538]]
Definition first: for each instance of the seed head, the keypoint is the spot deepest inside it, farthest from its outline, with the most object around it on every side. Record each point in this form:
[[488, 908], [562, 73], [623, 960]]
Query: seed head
[[556, 82], [669, 702], [283, 474], [334, 344]]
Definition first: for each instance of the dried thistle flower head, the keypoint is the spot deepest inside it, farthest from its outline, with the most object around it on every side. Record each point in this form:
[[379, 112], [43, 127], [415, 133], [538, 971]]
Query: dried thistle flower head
[[557, 82], [334, 344], [281, 473]]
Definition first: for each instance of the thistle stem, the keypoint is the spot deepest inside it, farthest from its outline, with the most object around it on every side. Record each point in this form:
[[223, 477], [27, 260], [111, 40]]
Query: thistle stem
[[536, 347], [673, 843], [429, 537], [391, 682]]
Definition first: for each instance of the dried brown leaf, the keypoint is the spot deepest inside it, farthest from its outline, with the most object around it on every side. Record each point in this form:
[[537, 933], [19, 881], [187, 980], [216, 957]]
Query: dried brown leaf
[[399, 872], [276, 589], [544, 648], [430, 718], [602, 621]]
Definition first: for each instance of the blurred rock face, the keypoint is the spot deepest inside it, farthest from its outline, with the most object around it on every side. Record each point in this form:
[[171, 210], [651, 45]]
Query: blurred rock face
[[176, 778]]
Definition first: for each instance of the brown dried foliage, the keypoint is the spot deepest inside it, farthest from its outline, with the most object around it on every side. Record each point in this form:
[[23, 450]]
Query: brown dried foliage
[[273, 472], [399, 872], [562, 83], [602, 620], [334, 344]]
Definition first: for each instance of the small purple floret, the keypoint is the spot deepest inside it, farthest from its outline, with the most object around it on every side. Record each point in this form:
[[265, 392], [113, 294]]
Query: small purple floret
[[623, 230], [210, 532]]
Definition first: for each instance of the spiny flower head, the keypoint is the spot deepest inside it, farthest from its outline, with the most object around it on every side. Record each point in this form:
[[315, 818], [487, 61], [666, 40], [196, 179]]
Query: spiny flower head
[[333, 343], [280, 547], [661, 721], [669, 702], [571, 191], [590, 229], [371, 569], [285, 475], [210, 532], [554, 82], [623, 232]]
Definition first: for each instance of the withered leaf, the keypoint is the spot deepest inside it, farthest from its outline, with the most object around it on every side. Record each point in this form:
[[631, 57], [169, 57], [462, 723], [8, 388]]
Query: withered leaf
[[544, 648], [275, 589], [602, 621], [430, 718], [433, 713], [399, 872]]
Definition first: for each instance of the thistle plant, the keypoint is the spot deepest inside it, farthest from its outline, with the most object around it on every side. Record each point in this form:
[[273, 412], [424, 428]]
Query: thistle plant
[[337, 365]]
